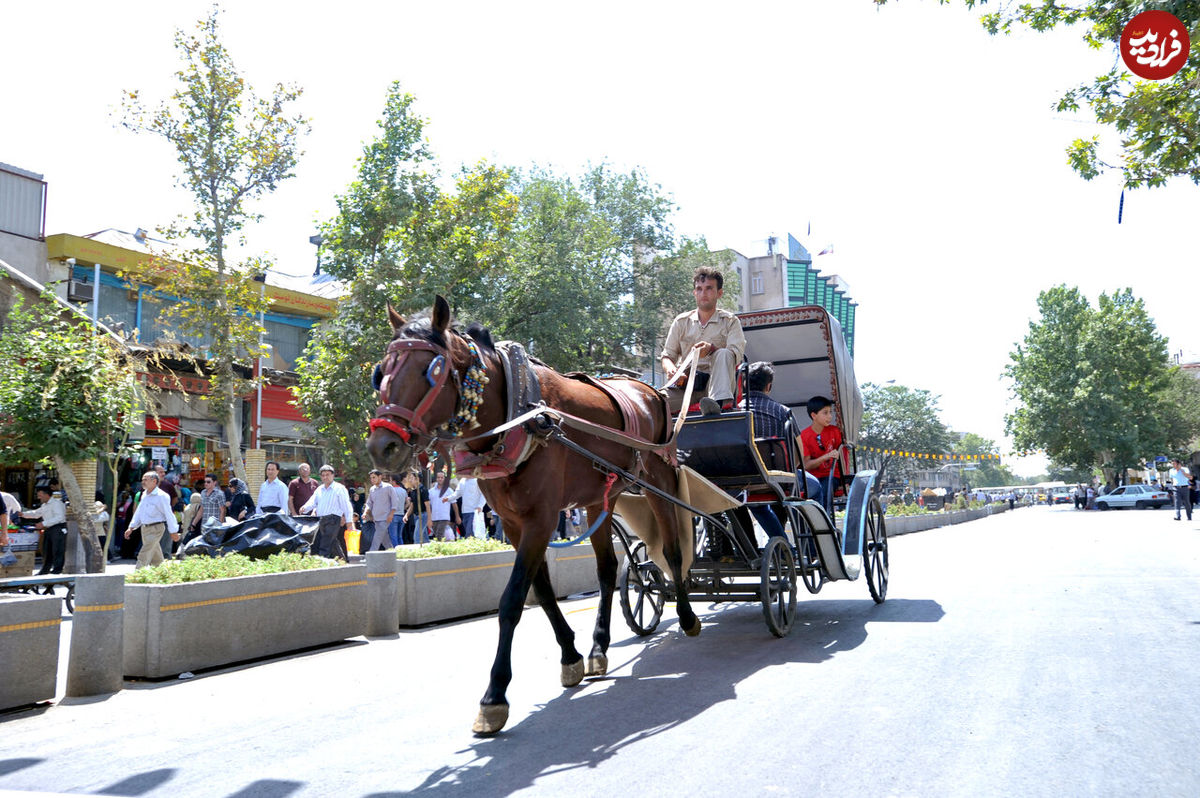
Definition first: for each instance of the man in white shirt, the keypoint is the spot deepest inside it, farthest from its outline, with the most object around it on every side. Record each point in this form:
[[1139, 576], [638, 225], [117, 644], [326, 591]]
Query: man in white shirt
[[154, 517], [53, 515], [331, 503], [273, 494], [472, 502], [1182, 477]]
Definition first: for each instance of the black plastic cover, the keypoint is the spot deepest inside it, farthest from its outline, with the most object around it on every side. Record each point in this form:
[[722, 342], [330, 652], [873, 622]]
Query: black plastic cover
[[259, 536]]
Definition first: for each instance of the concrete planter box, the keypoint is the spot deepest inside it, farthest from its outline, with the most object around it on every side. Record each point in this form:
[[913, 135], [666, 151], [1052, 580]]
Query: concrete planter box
[[573, 569], [170, 629], [904, 524], [461, 585], [29, 629]]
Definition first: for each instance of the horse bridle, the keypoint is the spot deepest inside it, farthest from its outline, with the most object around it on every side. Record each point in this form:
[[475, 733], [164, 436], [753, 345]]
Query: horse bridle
[[413, 425]]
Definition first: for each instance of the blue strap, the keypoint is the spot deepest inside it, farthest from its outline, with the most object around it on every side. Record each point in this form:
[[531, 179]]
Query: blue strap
[[562, 544]]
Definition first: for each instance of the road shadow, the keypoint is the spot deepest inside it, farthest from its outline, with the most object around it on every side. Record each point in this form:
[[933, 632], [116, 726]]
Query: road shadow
[[666, 685], [13, 765]]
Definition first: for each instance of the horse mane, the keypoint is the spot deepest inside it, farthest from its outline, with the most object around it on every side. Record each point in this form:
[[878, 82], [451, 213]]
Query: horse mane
[[422, 328]]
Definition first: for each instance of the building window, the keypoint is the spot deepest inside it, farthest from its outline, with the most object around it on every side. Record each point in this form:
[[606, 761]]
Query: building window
[[287, 342], [756, 284]]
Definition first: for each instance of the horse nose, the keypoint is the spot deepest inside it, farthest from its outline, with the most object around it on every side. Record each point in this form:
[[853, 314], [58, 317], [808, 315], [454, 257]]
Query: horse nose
[[384, 451]]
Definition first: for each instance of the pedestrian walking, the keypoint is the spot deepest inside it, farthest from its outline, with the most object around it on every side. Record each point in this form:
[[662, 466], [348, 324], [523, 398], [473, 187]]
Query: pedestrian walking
[[272, 494], [301, 489], [1181, 477], [241, 506], [52, 514], [153, 517], [472, 502], [439, 513], [331, 504], [212, 503], [382, 508]]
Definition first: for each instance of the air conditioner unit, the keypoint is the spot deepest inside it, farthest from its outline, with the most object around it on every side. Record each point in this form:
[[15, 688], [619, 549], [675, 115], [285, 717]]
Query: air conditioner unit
[[79, 291]]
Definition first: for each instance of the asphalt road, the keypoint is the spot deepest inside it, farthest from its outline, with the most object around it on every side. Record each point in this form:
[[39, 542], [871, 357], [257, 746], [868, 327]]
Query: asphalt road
[[1041, 652]]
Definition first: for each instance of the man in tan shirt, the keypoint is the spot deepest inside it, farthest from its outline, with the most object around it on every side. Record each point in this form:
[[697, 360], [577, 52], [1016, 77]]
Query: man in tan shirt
[[717, 337]]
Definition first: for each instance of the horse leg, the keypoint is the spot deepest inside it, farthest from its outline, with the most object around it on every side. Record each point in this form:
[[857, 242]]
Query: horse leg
[[493, 707], [572, 660], [606, 570]]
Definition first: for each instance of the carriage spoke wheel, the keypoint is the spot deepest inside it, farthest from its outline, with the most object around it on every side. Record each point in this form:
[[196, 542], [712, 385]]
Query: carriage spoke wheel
[[811, 574], [778, 588], [875, 558], [643, 591]]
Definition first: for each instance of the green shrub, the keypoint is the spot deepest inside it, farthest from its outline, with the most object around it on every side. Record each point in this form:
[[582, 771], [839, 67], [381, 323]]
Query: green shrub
[[440, 548], [200, 569]]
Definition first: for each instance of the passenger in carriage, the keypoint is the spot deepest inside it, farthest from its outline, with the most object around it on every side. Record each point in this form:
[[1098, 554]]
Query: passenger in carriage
[[820, 446], [770, 421], [718, 339]]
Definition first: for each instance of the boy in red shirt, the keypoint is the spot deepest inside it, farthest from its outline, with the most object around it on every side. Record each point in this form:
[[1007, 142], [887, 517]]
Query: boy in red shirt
[[820, 447]]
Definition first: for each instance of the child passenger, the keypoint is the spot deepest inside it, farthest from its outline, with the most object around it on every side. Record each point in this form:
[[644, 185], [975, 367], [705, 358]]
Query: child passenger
[[821, 445]]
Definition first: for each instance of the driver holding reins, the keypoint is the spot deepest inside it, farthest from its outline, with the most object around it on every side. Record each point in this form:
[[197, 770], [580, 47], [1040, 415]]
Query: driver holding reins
[[717, 337]]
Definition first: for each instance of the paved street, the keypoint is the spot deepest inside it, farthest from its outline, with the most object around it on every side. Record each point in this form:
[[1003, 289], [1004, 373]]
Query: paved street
[[1040, 652]]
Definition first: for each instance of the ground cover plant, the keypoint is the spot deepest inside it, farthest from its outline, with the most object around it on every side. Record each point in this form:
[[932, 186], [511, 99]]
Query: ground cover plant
[[445, 548], [200, 569]]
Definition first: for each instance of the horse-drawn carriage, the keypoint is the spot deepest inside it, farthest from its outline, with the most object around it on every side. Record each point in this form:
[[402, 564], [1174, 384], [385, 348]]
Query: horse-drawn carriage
[[675, 493], [809, 356]]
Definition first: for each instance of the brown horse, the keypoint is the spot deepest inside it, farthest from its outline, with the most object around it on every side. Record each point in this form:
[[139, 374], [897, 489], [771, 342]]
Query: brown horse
[[420, 411]]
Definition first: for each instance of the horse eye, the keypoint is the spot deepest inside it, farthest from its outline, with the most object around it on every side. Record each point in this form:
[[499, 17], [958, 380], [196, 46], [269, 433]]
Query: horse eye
[[377, 377]]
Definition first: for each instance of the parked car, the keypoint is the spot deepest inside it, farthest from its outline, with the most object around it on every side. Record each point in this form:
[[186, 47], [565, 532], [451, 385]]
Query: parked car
[[1061, 496], [1139, 496]]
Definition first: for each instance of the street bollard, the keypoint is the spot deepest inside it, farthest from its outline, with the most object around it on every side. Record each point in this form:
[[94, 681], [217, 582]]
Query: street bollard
[[383, 594], [97, 635]]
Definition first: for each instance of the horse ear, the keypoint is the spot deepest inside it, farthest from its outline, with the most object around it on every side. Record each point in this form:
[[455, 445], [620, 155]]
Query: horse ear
[[395, 318], [441, 314]]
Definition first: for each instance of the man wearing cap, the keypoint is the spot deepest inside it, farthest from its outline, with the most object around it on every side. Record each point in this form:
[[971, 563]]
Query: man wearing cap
[[717, 338], [154, 517], [331, 503]]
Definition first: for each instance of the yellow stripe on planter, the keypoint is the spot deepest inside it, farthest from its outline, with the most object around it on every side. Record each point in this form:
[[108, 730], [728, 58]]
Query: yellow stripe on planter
[[99, 608], [381, 576], [463, 570], [17, 627], [577, 557], [234, 599]]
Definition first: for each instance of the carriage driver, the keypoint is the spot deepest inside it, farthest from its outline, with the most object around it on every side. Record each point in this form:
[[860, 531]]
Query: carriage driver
[[717, 337]]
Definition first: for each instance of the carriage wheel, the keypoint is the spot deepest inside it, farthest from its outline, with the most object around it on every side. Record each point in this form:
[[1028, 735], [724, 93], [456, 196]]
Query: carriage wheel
[[778, 588], [643, 591], [69, 599], [811, 573], [875, 558]]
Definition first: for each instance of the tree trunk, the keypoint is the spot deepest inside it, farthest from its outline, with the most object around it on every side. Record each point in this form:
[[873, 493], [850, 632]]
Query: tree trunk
[[78, 510], [233, 429]]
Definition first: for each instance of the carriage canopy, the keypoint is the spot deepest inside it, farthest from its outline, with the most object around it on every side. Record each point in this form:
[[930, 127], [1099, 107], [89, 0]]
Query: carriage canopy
[[810, 357]]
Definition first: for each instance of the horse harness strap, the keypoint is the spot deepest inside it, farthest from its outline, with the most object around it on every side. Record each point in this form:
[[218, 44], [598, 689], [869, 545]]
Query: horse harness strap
[[517, 442], [437, 374]]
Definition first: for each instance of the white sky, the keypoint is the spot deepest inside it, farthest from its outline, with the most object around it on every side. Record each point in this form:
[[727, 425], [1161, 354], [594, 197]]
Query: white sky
[[926, 151]]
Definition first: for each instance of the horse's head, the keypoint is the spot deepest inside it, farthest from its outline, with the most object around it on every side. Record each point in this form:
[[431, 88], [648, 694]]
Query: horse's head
[[423, 393]]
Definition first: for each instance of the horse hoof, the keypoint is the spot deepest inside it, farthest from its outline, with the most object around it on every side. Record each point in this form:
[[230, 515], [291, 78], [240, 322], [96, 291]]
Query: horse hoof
[[597, 666], [491, 719], [693, 630], [572, 674]]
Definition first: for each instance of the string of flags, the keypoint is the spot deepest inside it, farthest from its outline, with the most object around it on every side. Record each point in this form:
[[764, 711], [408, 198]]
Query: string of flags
[[965, 458]]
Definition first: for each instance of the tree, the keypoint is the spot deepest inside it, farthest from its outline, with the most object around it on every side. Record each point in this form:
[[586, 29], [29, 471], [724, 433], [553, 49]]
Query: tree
[[1179, 412], [396, 238], [66, 386], [983, 473], [898, 418], [234, 147], [1090, 382], [1158, 122]]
